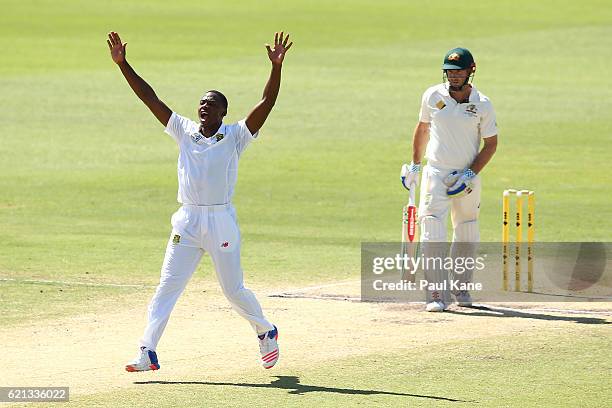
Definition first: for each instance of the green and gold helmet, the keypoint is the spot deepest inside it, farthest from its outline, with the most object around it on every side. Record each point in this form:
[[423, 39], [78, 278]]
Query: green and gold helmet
[[458, 58]]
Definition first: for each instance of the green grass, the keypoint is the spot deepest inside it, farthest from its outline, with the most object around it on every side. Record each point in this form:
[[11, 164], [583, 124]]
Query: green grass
[[556, 369], [88, 179], [27, 302]]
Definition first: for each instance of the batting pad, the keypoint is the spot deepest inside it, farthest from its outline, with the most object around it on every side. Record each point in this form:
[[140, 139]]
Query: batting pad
[[432, 229], [465, 246], [467, 232]]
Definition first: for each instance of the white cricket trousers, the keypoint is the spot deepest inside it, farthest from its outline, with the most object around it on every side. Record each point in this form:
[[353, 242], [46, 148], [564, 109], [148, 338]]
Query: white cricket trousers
[[196, 230], [434, 205]]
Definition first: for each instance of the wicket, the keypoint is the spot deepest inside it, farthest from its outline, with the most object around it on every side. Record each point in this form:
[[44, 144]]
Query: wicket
[[519, 237]]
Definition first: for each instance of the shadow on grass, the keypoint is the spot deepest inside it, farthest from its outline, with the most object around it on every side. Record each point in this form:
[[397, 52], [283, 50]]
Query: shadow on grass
[[490, 311], [292, 383]]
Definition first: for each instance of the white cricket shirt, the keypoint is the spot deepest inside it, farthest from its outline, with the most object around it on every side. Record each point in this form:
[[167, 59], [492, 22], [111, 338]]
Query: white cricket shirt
[[455, 128], [207, 167]]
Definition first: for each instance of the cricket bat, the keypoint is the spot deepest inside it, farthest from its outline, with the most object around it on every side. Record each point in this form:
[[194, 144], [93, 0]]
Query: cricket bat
[[409, 234]]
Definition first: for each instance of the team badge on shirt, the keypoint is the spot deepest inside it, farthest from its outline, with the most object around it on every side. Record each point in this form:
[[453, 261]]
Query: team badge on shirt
[[471, 110], [197, 138], [440, 105], [176, 239]]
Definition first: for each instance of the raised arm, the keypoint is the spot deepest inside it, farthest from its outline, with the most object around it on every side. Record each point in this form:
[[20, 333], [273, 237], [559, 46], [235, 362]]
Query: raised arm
[[138, 85], [260, 112]]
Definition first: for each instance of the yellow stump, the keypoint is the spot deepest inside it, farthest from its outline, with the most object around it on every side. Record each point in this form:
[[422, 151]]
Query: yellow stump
[[505, 236], [530, 238], [519, 239], [520, 194]]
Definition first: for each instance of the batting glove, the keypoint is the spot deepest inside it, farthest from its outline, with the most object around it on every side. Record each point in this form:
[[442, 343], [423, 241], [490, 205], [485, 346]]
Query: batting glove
[[410, 175], [459, 182]]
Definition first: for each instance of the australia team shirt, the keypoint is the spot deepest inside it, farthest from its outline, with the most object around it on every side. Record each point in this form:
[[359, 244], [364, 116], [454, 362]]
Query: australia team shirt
[[455, 128]]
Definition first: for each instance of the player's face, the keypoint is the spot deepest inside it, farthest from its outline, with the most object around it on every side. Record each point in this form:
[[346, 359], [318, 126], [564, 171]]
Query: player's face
[[211, 109], [457, 77]]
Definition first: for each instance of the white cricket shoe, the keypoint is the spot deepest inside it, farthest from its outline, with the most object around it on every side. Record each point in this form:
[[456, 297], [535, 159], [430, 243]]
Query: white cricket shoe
[[268, 347], [146, 360], [436, 306], [463, 298]]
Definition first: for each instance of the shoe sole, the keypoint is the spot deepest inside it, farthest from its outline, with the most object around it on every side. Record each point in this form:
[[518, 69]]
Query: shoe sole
[[436, 310], [133, 369], [273, 355]]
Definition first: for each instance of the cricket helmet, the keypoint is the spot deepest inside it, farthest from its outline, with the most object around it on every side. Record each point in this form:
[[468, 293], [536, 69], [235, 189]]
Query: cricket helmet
[[458, 58]]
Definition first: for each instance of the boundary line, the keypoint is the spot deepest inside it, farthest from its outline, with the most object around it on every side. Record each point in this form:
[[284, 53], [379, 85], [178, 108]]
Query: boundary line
[[68, 283]]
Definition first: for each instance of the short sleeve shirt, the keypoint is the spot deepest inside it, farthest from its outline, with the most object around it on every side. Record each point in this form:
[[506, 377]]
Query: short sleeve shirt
[[455, 128], [207, 167]]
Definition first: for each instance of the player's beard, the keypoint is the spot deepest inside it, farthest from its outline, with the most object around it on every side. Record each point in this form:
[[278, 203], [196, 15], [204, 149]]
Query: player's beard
[[459, 88], [456, 88]]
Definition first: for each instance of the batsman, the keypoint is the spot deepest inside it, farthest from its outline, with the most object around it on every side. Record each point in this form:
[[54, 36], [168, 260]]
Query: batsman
[[454, 120]]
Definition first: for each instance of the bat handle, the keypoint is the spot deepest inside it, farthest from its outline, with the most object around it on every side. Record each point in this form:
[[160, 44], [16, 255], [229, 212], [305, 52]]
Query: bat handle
[[412, 198]]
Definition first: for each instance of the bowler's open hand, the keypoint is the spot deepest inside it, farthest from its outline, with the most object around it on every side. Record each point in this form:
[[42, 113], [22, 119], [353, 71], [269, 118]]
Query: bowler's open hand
[[277, 54], [117, 48]]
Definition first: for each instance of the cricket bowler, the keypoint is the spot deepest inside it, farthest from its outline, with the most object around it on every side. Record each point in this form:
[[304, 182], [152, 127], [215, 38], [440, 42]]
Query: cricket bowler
[[453, 120], [209, 151]]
